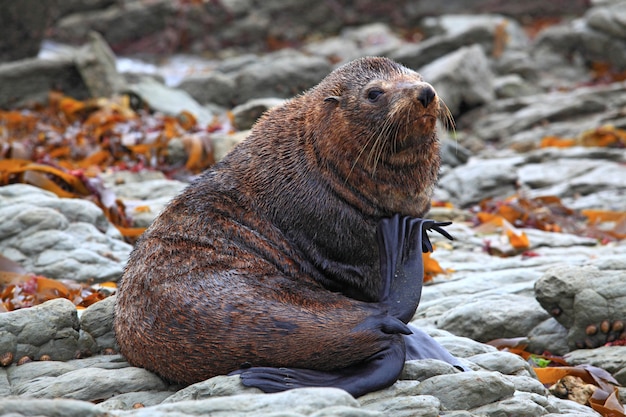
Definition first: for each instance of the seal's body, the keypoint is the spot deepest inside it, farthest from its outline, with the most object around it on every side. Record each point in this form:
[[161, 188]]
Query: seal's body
[[271, 258]]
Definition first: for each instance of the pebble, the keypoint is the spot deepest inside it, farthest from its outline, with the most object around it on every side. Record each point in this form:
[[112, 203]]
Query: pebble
[[504, 101]]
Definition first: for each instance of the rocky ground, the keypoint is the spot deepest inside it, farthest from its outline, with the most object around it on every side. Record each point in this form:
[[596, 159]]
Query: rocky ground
[[507, 92]]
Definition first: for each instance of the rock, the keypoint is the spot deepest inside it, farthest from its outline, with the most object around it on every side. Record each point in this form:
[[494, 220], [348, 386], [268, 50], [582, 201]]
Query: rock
[[467, 390], [453, 154], [407, 406], [517, 62], [610, 19], [97, 321], [374, 39], [91, 384], [168, 100], [21, 29], [583, 109], [462, 78], [548, 336], [223, 143], [461, 347], [528, 384], [96, 65], [30, 81], [47, 329], [67, 7], [144, 193], [448, 33], [23, 374], [420, 370], [567, 408], [578, 297], [481, 178], [399, 389], [400, 399], [549, 173], [585, 40], [609, 358], [281, 74], [513, 85], [335, 49], [522, 404], [213, 87], [131, 400], [142, 185], [302, 401], [504, 362], [493, 317], [537, 239], [245, 115], [219, 386], [15, 406], [342, 411], [59, 237], [119, 24]]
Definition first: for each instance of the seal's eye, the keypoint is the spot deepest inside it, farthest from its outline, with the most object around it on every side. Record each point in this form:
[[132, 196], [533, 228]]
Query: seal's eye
[[374, 95]]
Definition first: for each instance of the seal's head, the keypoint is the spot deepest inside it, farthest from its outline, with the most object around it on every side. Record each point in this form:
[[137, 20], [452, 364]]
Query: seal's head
[[380, 118]]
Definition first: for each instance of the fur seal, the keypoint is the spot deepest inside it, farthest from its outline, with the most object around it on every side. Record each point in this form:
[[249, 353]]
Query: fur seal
[[296, 260]]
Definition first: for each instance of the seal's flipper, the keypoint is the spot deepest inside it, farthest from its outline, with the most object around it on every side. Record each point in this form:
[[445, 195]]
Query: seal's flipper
[[378, 372], [401, 241], [420, 345]]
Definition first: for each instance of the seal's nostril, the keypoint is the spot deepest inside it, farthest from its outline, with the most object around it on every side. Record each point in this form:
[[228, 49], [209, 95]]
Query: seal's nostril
[[426, 95]]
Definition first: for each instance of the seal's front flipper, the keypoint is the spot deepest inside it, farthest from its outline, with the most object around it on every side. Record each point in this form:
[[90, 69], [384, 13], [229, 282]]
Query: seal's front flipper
[[401, 241], [420, 345], [378, 372]]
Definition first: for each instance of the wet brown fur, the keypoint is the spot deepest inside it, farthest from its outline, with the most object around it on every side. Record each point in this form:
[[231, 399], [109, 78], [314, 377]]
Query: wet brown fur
[[270, 258]]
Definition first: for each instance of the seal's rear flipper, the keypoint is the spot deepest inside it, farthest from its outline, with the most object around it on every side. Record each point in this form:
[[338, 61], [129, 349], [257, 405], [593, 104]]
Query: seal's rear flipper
[[401, 241], [420, 345], [378, 372]]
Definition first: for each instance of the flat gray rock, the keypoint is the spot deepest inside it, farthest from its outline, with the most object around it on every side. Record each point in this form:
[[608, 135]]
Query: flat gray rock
[[15, 406], [493, 317], [609, 358], [481, 178], [30, 80], [521, 404], [467, 390], [167, 100], [282, 74], [91, 384], [303, 401], [504, 362]]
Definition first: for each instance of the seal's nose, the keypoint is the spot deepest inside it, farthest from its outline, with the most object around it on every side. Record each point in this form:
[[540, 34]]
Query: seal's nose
[[426, 95]]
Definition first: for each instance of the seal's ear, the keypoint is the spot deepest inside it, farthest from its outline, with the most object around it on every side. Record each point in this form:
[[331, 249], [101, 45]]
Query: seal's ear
[[332, 99]]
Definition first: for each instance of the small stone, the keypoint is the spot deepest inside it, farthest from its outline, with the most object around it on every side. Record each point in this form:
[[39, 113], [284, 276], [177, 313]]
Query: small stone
[[573, 388], [23, 360], [605, 326], [591, 329], [6, 358]]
